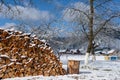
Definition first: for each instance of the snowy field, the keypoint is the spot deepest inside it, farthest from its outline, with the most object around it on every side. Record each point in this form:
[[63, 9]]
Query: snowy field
[[98, 70]]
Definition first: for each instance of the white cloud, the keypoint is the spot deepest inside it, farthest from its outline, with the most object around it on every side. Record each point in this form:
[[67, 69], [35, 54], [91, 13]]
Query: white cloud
[[9, 26], [25, 13], [70, 14], [81, 6]]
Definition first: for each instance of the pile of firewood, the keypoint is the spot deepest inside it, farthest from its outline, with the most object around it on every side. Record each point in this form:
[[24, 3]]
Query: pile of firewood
[[25, 55]]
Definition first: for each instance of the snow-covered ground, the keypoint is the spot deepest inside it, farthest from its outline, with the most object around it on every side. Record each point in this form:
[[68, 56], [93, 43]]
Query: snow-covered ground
[[98, 70]]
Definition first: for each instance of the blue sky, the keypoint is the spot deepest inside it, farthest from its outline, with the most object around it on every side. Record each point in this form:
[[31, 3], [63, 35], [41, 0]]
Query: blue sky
[[39, 11], [40, 6]]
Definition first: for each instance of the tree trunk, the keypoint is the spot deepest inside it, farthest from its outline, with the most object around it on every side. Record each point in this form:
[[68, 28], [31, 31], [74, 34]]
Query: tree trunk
[[88, 52], [93, 57], [86, 58], [91, 36], [93, 53]]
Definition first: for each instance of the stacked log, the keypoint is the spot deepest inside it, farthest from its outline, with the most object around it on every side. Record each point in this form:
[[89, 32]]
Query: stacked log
[[23, 55]]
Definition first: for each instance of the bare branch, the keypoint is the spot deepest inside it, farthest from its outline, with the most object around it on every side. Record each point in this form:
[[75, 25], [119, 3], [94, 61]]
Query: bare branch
[[106, 21], [81, 12], [84, 31], [106, 1]]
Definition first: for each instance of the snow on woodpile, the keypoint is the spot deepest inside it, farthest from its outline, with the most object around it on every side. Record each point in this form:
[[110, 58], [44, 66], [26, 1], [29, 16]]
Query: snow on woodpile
[[23, 55]]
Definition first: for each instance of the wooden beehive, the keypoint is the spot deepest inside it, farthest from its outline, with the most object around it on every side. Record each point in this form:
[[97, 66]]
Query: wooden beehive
[[73, 67]]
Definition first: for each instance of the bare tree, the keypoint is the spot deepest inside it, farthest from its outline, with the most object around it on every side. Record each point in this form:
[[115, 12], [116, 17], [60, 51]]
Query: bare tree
[[94, 20], [92, 34]]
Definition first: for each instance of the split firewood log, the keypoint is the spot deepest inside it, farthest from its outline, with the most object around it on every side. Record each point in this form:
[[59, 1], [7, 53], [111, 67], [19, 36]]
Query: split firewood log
[[23, 55]]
